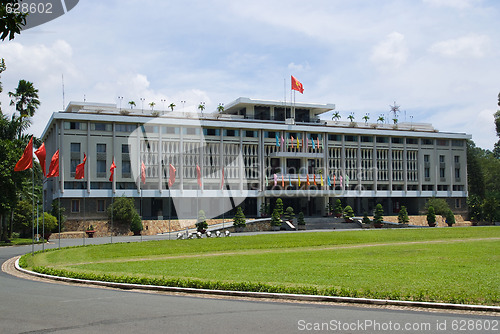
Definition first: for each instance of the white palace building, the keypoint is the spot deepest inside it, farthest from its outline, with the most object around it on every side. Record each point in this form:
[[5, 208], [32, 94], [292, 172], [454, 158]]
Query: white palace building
[[251, 153]]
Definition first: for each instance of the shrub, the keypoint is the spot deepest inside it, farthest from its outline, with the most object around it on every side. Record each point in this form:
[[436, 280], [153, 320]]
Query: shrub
[[279, 206], [201, 223], [264, 209], [23, 215], [289, 214], [337, 210], [348, 212], [49, 221], [136, 224], [378, 217], [440, 205], [403, 216], [450, 218], [239, 218], [275, 218], [431, 216], [300, 219], [366, 220], [122, 210]]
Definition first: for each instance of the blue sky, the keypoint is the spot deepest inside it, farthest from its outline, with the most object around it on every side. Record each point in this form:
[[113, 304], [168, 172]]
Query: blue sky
[[438, 59]]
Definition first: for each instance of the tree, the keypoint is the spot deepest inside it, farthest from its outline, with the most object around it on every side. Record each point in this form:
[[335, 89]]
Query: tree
[[25, 98], [490, 209], [337, 210], [152, 105], [475, 175], [300, 219], [474, 204], [276, 218], [336, 116], [239, 218], [378, 216], [450, 217], [351, 118], [381, 119], [348, 213], [50, 223], [279, 206], [132, 104], [289, 214], [201, 223], [366, 220], [440, 205], [23, 217], [403, 216], [11, 23], [136, 224], [58, 212], [431, 216], [171, 106], [201, 106], [366, 118], [122, 211]]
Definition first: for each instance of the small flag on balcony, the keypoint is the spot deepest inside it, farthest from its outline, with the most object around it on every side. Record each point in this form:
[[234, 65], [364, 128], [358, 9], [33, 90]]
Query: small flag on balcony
[[292, 140], [340, 181], [54, 165], [26, 160], [308, 183], [319, 146], [143, 173], [267, 181], [222, 179], [299, 180], [314, 146], [314, 178], [282, 140], [334, 180], [277, 140], [41, 154], [298, 143], [282, 181], [289, 180], [347, 180], [321, 180], [328, 181], [275, 180]]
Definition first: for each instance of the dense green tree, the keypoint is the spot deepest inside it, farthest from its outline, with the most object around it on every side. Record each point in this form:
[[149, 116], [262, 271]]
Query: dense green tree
[[11, 22], [25, 98], [475, 176], [490, 208], [239, 218], [276, 218], [300, 219], [23, 216], [439, 204], [337, 210], [431, 216], [289, 214], [378, 216], [403, 216], [279, 206], [348, 212], [122, 211], [450, 218]]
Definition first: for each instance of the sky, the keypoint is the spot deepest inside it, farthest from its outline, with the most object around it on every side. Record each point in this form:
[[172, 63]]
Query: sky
[[437, 59]]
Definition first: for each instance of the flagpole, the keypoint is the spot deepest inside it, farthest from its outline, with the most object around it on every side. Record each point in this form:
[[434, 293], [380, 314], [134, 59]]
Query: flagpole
[[33, 212], [43, 217]]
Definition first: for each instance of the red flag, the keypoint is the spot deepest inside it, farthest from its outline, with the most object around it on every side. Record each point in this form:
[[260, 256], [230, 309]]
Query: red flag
[[282, 181], [315, 180], [222, 179], [308, 183], [112, 170], [296, 85], [198, 174], [143, 173], [54, 165], [26, 160], [41, 154], [171, 179], [80, 169]]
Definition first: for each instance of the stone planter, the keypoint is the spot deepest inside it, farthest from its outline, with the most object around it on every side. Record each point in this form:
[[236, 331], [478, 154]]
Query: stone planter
[[239, 229], [275, 228], [90, 233], [301, 227]]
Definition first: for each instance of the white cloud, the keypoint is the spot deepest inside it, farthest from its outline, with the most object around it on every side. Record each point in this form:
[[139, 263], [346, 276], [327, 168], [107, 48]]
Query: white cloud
[[391, 53], [469, 46], [458, 4]]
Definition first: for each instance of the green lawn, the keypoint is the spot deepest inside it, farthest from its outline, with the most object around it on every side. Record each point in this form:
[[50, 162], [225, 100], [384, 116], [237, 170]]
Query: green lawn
[[18, 242], [446, 264]]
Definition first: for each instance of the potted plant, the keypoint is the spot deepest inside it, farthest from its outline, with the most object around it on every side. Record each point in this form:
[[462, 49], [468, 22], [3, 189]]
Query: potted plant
[[301, 222], [239, 221], [329, 209], [90, 231], [337, 210], [136, 225], [276, 220], [348, 214], [289, 214], [279, 206], [403, 218], [431, 216], [201, 224], [378, 216], [366, 220], [450, 218]]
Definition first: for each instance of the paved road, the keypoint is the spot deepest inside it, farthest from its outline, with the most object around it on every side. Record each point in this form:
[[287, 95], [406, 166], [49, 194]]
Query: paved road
[[38, 307]]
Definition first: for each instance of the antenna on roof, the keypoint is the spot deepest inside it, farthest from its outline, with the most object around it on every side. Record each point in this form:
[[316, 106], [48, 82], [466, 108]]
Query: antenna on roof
[[62, 78]]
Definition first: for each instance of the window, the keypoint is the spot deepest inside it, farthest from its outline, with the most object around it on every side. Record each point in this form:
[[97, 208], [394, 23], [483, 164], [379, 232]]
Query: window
[[231, 133], [442, 142], [427, 172], [458, 143], [211, 132], [126, 169], [366, 139], [412, 141], [191, 131], [270, 134], [335, 137], [125, 148], [351, 138], [101, 148], [397, 140], [457, 173], [441, 159], [457, 159], [442, 173], [458, 203], [75, 147], [75, 126], [171, 130], [251, 134], [426, 158], [125, 127], [101, 126], [427, 142], [101, 205], [382, 140], [101, 167], [75, 205]]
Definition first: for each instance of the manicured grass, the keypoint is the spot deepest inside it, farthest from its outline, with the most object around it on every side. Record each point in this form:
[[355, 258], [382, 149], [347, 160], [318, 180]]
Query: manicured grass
[[18, 242], [447, 266]]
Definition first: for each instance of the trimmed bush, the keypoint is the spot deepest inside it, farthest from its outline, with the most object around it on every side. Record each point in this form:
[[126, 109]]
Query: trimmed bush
[[378, 217], [275, 218], [337, 210], [300, 219], [431, 216], [201, 224], [348, 213], [403, 216], [239, 218], [136, 224], [450, 218], [279, 206], [289, 214]]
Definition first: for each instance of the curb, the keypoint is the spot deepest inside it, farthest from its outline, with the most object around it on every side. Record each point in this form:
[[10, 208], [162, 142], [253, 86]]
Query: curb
[[268, 295]]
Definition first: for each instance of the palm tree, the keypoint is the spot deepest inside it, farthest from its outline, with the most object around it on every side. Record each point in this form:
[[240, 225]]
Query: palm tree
[[336, 116], [220, 108], [152, 105], [381, 119], [171, 106], [25, 99], [132, 104], [351, 117], [366, 118], [201, 107]]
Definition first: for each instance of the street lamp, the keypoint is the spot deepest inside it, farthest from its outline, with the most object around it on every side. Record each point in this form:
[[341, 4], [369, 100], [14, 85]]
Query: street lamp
[[120, 98], [142, 104]]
